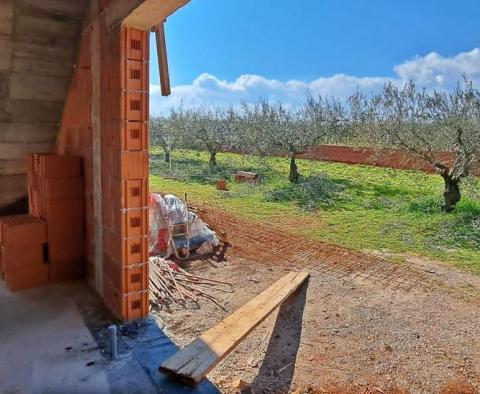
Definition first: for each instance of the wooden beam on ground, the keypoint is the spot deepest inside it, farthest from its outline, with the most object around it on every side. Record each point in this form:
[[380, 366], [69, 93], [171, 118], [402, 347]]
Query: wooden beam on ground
[[162, 60], [191, 364]]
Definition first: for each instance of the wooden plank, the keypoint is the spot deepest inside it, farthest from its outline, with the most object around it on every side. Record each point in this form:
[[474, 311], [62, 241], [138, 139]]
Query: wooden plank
[[192, 363], [162, 60]]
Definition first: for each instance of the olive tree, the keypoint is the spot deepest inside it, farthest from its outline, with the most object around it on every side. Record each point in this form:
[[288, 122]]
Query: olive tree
[[424, 123], [275, 129], [167, 132], [214, 129]]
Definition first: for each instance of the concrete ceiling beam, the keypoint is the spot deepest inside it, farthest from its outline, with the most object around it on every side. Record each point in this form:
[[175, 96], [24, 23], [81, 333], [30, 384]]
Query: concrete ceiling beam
[[140, 14]]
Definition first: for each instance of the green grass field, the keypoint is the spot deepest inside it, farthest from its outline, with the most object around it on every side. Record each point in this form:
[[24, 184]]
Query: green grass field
[[359, 207]]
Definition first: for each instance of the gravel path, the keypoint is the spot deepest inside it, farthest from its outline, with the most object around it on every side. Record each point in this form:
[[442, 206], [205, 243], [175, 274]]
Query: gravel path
[[355, 327]]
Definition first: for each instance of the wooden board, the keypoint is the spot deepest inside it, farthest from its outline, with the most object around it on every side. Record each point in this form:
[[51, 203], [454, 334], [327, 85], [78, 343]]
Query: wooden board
[[192, 363], [162, 60]]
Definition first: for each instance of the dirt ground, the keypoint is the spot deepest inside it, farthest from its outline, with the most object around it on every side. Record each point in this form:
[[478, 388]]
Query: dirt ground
[[364, 323]]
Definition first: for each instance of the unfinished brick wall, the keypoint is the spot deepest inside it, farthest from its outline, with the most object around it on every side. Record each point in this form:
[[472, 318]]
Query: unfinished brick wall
[[123, 163], [384, 158]]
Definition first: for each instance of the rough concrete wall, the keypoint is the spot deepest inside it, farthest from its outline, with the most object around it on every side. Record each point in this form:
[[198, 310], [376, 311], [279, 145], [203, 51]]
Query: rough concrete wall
[[38, 45]]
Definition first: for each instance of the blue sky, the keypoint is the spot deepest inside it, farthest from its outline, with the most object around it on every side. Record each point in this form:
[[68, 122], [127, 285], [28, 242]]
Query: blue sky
[[223, 51]]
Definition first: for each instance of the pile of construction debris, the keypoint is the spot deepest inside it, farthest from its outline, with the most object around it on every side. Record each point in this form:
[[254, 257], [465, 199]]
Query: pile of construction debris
[[176, 229], [170, 284]]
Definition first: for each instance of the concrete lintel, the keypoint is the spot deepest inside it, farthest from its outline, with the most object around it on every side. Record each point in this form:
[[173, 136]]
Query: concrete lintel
[[141, 14]]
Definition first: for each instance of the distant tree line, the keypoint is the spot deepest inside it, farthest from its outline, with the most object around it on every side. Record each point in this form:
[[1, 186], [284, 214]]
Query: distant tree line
[[406, 118]]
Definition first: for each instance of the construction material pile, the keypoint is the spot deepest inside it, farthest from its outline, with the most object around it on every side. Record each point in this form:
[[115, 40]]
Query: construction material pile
[[176, 229], [170, 284], [47, 245]]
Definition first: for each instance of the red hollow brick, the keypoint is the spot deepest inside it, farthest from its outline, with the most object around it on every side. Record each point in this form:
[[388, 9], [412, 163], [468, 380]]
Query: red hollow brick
[[66, 228], [131, 165], [64, 271], [21, 257], [22, 230], [126, 251], [135, 75], [134, 222], [27, 278], [132, 193], [134, 44], [134, 136], [55, 166], [134, 106], [57, 188], [66, 250], [126, 279], [126, 307], [64, 208]]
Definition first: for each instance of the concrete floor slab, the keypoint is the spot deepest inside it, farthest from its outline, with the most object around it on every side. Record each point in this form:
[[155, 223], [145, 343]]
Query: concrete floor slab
[[37, 329], [53, 341]]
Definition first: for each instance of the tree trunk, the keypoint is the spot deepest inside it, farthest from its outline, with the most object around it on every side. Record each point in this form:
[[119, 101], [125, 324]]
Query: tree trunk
[[167, 156], [293, 176], [451, 193], [213, 159]]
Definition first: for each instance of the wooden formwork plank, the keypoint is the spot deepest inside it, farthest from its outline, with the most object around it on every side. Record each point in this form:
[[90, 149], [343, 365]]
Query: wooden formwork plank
[[192, 363]]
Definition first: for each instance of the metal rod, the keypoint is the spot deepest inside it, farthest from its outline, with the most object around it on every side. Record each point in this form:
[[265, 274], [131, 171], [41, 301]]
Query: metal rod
[[112, 335]]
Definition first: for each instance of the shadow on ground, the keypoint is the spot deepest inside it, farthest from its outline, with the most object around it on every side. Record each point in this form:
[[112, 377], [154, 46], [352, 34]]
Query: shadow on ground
[[281, 355]]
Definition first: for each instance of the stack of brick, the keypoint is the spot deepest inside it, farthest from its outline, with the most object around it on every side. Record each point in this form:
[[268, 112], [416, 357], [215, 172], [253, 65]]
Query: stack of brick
[[125, 175], [23, 259], [244, 176], [56, 195]]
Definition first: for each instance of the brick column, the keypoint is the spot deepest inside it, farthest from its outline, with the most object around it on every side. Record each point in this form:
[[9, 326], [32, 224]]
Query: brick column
[[124, 145]]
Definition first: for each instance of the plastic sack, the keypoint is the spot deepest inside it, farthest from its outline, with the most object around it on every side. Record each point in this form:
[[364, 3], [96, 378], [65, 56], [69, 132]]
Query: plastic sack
[[159, 232], [176, 230]]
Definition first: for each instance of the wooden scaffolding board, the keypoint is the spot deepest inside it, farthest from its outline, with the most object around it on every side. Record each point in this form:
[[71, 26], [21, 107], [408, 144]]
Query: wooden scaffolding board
[[192, 363]]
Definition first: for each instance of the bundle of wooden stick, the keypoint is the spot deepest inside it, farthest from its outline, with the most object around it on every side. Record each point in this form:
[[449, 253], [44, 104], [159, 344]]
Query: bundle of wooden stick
[[170, 284]]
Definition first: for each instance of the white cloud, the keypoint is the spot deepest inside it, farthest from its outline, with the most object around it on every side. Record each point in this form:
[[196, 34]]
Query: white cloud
[[430, 71]]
